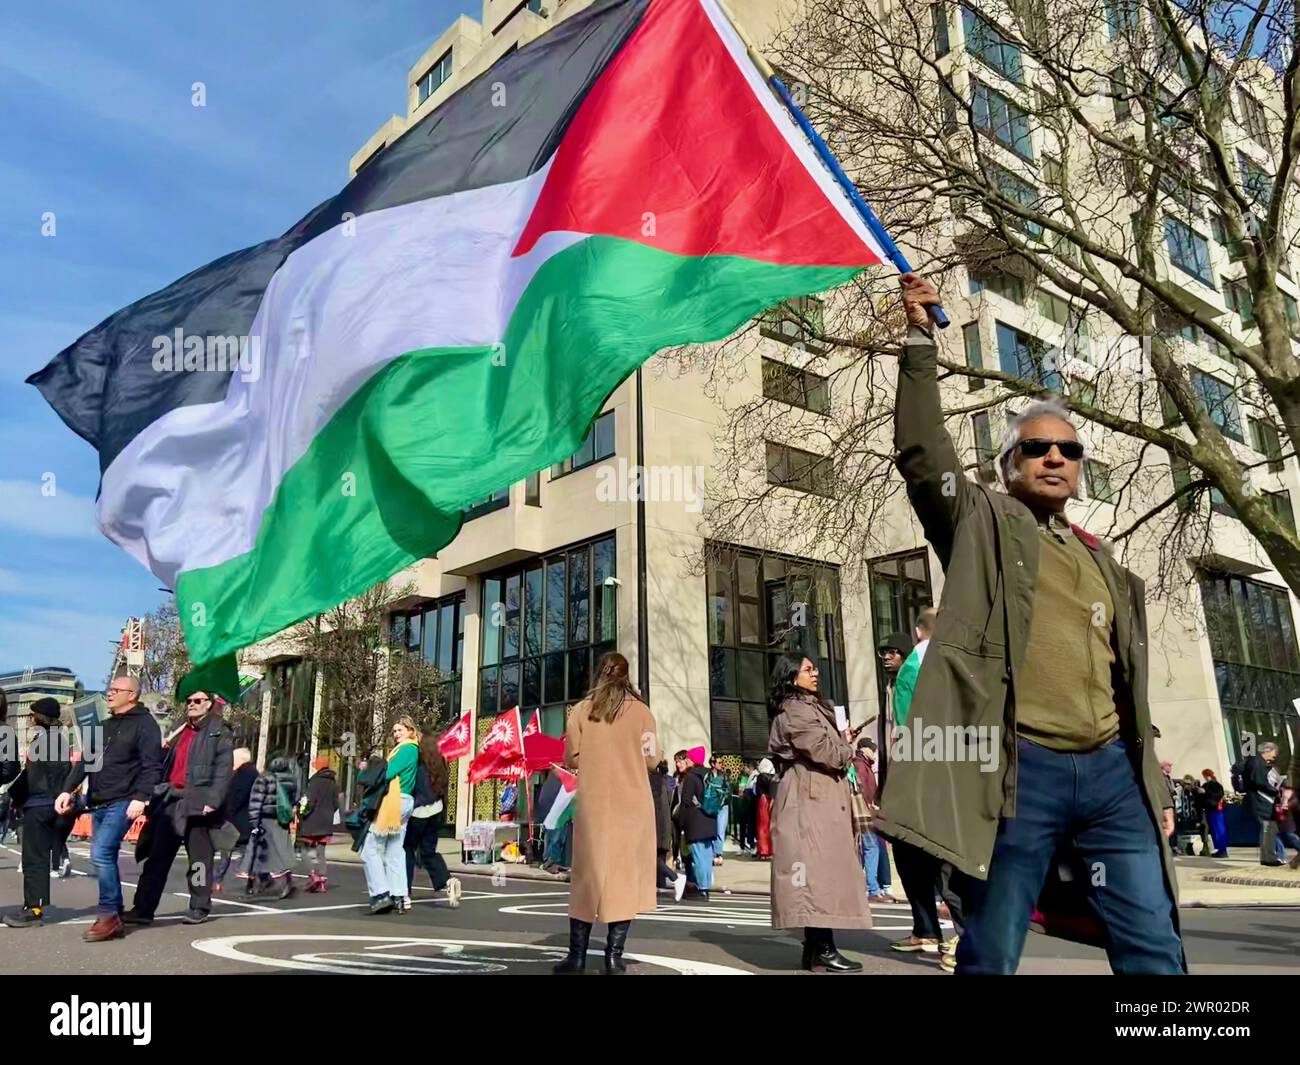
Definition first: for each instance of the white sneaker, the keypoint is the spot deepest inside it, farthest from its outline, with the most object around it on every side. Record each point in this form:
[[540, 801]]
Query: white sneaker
[[679, 886], [65, 870], [453, 893]]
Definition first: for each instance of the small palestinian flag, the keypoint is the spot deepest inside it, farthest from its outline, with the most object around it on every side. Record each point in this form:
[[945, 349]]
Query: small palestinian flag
[[453, 320], [562, 808]]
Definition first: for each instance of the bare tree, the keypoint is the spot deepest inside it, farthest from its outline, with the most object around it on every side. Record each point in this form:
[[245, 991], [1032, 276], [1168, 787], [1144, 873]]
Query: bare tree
[[166, 658], [1117, 168], [368, 682]]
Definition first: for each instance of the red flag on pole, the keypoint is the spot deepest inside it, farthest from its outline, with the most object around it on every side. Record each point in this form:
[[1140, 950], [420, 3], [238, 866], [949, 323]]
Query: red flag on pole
[[534, 724], [454, 743], [501, 748]]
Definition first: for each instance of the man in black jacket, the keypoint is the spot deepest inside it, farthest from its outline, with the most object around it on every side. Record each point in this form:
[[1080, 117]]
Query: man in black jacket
[[196, 778], [129, 767], [1261, 795], [47, 767]]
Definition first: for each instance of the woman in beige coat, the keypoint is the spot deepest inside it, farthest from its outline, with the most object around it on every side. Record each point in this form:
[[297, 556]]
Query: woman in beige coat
[[817, 882], [611, 742]]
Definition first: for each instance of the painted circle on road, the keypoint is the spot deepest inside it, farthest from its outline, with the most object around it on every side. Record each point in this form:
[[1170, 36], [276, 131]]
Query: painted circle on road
[[733, 913], [378, 955]]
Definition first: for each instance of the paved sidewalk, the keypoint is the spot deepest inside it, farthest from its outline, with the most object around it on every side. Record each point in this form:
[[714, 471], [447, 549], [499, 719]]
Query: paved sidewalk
[[1201, 881]]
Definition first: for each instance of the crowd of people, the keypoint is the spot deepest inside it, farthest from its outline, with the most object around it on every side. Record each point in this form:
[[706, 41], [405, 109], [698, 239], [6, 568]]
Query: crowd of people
[[195, 789]]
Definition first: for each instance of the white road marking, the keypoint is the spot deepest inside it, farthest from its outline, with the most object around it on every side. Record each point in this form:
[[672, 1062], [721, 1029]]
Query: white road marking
[[229, 947]]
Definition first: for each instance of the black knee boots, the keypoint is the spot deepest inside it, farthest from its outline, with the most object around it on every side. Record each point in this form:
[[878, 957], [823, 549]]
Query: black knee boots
[[615, 938], [579, 936]]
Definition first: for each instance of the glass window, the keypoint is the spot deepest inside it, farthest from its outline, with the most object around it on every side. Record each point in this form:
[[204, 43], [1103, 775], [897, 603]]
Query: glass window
[[985, 450], [597, 445], [799, 388], [1002, 119], [799, 322], [782, 603], [985, 42], [1084, 392], [579, 596], [436, 75], [1027, 357], [552, 665], [1236, 294], [1252, 115], [1122, 17], [939, 18], [1257, 668], [555, 621], [496, 501], [1280, 502], [1097, 480], [1265, 438], [1256, 182], [1292, 314], [970, 335], [985, 278], [791, 467], [1219, 403], [1016, 189], [1188, 250], [533, 604]]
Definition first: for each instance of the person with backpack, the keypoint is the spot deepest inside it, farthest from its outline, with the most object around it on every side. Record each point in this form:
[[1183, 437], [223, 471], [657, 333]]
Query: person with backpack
[[269, 854], [717, 801], [317, 812], [699, 827]]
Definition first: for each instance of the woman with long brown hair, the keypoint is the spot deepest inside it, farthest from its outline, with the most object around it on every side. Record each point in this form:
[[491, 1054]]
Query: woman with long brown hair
[[425, 825], [611, 742]]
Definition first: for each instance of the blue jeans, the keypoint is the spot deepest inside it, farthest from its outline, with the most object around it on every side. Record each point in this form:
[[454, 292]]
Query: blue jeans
[[384, 858], [886, 877], [702, 861], [110, 825], [721, 837], [1218, 829], [1094, 803], [871, 861]]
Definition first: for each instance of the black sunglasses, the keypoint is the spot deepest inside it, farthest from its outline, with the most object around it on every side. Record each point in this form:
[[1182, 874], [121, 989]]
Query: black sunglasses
[[1036, 448]]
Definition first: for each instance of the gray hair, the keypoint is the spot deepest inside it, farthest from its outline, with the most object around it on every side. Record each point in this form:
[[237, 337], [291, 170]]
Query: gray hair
[[1048, 407], [1264, 748]]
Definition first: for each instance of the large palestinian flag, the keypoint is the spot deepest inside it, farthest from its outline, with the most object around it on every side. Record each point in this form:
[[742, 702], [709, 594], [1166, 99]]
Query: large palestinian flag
[[454, 319]]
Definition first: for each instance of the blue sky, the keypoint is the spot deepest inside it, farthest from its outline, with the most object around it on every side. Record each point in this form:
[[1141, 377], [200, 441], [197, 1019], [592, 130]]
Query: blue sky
[[97, 126]]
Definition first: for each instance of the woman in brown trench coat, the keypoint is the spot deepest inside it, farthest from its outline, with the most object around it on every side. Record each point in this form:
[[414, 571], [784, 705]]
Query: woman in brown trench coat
[[611, 742], [817, 882]]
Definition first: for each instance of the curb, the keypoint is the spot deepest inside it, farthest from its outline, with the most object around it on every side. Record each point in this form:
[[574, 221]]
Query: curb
[[1251, 881]]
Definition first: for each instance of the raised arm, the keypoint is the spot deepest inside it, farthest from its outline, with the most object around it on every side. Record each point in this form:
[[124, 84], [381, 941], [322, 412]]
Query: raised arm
[[926, 457]]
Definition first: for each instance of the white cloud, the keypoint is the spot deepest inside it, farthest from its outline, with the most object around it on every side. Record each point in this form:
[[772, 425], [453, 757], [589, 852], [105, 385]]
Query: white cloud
[[64, 515]]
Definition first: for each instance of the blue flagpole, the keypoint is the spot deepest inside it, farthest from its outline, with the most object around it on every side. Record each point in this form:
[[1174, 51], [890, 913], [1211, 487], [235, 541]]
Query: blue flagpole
[[832, 164]]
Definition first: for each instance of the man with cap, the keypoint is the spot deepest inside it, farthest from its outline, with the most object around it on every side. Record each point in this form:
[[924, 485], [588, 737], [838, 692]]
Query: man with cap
[[128, 769], [189, 805], [45, 770]]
